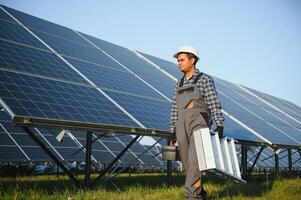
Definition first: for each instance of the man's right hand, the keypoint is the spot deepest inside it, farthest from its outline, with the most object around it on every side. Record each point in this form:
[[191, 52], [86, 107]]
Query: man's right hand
[[171, 139]]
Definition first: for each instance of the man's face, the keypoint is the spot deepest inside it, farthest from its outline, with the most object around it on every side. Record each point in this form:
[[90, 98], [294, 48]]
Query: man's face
[[185, 64]]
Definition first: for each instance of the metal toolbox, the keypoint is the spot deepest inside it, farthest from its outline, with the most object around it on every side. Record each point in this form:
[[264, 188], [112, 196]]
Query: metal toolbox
[[217, 155]]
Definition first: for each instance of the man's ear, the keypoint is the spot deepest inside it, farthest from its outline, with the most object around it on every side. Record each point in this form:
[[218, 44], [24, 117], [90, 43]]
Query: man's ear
[[192, 60]]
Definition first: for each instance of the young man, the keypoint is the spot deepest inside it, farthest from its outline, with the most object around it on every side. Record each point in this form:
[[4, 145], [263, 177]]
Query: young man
[[195, 103]]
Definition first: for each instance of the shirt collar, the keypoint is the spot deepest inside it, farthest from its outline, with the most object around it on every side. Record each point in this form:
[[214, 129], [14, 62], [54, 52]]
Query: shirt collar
[[196, 72]]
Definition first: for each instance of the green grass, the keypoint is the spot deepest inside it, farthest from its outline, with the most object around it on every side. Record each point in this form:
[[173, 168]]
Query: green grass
[[147, 187]]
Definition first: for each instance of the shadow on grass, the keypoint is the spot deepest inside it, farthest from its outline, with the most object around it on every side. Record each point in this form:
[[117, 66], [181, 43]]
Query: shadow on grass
[[52, 183], [256, 186]]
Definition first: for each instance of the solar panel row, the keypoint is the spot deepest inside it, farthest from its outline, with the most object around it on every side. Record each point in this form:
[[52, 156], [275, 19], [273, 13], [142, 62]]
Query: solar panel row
[[16, 145], [80, 78]]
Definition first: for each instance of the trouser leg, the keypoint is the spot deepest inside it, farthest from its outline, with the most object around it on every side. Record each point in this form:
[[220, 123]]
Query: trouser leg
[[193, 183], [193, 175], [182, 142]]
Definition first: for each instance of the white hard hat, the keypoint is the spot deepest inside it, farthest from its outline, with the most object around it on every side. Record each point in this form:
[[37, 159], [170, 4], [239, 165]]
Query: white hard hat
[[186, 49]]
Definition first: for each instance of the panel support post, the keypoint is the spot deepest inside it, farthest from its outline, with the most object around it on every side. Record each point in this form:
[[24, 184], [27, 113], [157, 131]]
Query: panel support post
[[88, 158], [276, 165], [290, 165], [169, 171], [244, 164]]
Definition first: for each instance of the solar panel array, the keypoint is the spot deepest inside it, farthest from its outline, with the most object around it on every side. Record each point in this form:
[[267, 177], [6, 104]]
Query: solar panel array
[[267, 158], [52, 72]]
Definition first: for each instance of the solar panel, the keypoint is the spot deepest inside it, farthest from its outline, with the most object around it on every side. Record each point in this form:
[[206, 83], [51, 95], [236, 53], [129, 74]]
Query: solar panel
[[11, 153], [93, 63], [250, 113], [108, 78], [17, 34], [151, 112], [258, 96], [20, 58], [271, 115], [40, 97], [168, 66], [35, 23], [138, 66], [5, 17], [285, 106]]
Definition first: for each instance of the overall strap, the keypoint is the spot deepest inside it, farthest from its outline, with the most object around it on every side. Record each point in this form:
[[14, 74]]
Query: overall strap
[[194, 81]]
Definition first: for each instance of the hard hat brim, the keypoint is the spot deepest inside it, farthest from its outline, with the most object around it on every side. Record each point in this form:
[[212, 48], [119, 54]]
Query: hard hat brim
[[176, 54]]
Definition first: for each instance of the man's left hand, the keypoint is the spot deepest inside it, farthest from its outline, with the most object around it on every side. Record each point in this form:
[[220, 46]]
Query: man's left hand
[[220, 131]]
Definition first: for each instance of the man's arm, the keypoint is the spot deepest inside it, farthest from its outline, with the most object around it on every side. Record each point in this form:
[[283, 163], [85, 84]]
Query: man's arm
[[173, 114], [211, 98]]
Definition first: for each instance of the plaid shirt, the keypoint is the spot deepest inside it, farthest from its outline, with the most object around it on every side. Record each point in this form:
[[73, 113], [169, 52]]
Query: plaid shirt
[[207, 88]]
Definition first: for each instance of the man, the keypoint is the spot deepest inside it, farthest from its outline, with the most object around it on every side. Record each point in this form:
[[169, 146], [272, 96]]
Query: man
[[195, 103]]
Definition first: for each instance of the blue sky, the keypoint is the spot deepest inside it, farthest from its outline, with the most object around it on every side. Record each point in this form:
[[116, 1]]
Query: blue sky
[[254, 43]]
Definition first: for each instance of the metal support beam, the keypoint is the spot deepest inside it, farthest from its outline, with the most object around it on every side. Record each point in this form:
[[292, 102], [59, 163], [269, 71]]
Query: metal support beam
[[83, 147], [115, 160], [276, 165], [255, 161], [290, 165], [287, 155], [51, 155], [88, 158], [139, 156], [244, 158], [273, 155], [169, 172]]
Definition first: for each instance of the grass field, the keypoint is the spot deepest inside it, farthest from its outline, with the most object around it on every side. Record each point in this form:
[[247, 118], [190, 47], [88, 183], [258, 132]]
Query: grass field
[[147, 187]]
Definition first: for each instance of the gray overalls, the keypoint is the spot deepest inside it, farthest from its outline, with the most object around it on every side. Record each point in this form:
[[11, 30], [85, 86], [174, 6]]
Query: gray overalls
[[188, 121]]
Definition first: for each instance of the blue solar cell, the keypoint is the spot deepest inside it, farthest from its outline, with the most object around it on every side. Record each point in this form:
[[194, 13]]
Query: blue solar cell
[[152, 113], [232, 130], [46, 26], [4, 16], [29, 60], [283, 105], [286, 120], [169, 67], [9, 126], [291, 106], [60, 100], [260, 109], [129, 158], [68, 153], [11, 153], [112, 79], [4, 138], [255, 123], [15, 33], [35, 153], [78, 51], [102, 156], [114, 146], [23, 139], [130, 60]]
